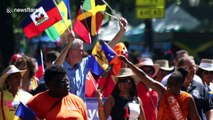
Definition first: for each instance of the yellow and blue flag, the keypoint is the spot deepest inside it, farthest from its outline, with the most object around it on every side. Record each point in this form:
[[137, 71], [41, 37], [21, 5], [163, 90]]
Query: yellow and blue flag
[[24, 113], [59, 28], [101, 57]]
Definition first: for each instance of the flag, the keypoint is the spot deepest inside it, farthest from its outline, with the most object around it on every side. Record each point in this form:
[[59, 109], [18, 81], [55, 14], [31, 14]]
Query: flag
[[24, 113], [58, 28], [89, 19], [90, 86], [40, 63], [101, 56], [46, 14]]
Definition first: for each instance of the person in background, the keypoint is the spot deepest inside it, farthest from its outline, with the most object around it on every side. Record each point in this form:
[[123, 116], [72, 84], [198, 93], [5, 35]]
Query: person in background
[[14, 58], [148, 96], [105, 82], [72, 60], [192, 66], [174, 104], [198, 91], [164, 69], [29, 79], [123, 104], [12, 93], [50, 57], [205, 72], [56, 103]]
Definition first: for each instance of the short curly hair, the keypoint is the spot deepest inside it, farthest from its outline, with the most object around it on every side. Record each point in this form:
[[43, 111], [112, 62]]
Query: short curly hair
[[52, 72]]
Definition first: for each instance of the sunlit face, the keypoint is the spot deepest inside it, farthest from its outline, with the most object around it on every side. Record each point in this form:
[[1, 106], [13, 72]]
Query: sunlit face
[[76, 55], [125, 84], [190, 65], [207, 76], [15, 81]]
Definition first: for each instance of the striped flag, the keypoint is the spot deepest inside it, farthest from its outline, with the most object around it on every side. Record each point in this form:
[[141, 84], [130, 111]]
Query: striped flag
[[59, 28]]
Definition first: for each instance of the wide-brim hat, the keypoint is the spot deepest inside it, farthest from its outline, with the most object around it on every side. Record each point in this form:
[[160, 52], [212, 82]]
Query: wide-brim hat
[[8, 71], [164, 65], [124, 72], [206, 64], [148, 62]]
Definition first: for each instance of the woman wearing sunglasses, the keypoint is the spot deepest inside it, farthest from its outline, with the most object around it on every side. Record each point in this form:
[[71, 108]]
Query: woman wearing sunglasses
[[205, 72], [123, 104]]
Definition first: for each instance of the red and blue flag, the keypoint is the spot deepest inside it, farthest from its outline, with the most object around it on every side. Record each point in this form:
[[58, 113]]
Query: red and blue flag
[[46, 14]]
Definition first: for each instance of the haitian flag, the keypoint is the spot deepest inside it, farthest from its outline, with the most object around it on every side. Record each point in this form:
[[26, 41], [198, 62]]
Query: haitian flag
[[101, 57], [46, 14], [89, 19]]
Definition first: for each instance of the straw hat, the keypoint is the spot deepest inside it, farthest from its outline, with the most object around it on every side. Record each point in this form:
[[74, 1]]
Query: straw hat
[[148, 62], [8, 71], [206, 64], [124, 72], [164, 65]]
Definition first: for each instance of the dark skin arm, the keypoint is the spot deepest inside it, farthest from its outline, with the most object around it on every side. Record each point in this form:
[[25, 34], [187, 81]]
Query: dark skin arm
[[104, 111], [148, 81], [193, 110]]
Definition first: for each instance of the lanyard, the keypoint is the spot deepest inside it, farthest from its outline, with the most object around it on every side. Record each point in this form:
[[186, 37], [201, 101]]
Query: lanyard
[[3, 115]]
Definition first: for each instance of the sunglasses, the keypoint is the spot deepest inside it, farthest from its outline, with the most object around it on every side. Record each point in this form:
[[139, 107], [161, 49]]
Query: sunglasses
[[124, 80], [208, 72], [148, 70]]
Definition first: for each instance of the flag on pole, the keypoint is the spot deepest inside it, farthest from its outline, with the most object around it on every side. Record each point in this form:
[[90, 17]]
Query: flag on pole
[[40, 62], [89, 19], [59, 28], [101, 57], [24, 113], [46, 14]]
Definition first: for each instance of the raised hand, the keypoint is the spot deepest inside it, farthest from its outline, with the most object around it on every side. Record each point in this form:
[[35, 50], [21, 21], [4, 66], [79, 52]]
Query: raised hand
[[123, 24], [71, 37]]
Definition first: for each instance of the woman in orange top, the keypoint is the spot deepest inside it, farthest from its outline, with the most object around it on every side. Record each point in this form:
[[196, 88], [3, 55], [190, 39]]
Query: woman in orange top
[[174, 104]]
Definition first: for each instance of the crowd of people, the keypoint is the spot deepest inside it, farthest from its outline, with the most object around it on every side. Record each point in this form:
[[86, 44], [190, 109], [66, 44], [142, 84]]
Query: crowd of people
[[148, 90]]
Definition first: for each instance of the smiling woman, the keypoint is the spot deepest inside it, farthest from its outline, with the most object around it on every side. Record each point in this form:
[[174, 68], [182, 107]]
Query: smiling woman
[[11, 94], [123, 99]]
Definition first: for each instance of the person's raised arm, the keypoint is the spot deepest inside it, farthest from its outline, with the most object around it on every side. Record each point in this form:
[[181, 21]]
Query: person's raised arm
[[148, 81], [63, 54], [123, 27]]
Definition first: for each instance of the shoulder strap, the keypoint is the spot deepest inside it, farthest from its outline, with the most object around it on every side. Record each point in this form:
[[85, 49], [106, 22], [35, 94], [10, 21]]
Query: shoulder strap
[[56, 103], [174, 107], [3, 115]]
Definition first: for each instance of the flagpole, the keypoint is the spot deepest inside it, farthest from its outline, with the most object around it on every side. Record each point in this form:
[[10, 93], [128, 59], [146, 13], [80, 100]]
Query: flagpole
[[62, 16], [111, 9], [111, 15]]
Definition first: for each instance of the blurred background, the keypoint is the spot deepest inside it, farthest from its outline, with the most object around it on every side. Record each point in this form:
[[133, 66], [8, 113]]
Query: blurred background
[[157, 32]]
